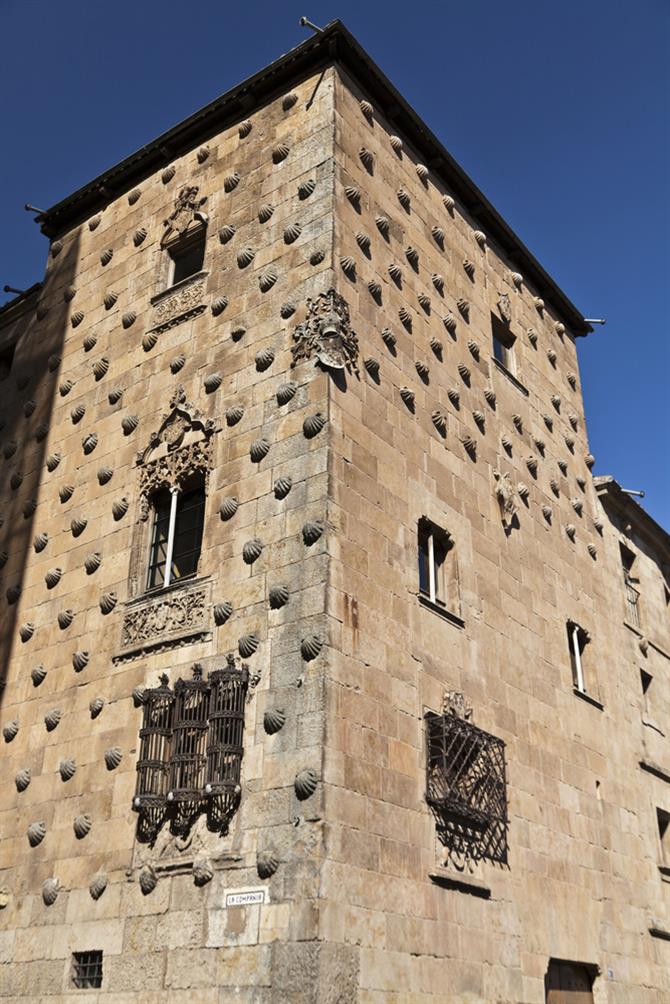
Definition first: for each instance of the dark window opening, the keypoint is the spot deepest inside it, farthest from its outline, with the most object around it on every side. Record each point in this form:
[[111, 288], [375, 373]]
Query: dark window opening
[[578, 639], [87, 970], [6, 360], [569, 982], [437, 580], [645, 680], [663, 820], [187, 258], [503, 343], [176, 539]]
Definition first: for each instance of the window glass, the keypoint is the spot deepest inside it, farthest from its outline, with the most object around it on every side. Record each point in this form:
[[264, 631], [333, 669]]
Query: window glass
[[188, 519]]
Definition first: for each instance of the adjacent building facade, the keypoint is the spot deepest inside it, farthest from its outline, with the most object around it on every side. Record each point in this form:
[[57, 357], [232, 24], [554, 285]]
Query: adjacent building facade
[[330, 672]]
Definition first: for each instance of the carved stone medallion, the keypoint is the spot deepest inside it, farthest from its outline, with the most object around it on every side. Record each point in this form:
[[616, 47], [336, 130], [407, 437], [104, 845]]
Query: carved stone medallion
[[326, 333]]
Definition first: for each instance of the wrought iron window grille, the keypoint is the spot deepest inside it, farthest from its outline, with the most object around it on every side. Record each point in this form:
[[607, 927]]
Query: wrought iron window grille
[[87, 969], [191, 749], [466, 788]]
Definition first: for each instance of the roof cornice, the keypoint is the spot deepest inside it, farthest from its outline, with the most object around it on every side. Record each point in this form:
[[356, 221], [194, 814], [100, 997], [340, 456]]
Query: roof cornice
[[334, 45], [611, 493]]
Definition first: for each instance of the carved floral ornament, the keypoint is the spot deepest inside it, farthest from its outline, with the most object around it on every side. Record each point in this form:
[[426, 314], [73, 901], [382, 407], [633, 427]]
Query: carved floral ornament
[[187, 211], [326, 334], [181, 447]]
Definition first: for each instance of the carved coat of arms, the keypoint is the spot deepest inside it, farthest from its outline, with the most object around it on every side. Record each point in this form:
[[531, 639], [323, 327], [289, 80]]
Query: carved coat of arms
[[326, 334], [187, 210], [505, 308]]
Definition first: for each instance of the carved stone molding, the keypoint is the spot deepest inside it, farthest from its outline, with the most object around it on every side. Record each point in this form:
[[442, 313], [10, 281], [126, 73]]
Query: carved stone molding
[[179, 303], [182, 448], [326, 333], [177, 616]]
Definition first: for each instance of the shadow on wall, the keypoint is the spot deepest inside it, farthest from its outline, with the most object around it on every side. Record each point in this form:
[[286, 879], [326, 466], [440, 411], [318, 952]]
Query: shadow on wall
[[27, 398]]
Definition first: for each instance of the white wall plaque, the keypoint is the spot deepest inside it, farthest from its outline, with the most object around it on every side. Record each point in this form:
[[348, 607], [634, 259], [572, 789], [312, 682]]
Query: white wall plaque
[[247, 897]]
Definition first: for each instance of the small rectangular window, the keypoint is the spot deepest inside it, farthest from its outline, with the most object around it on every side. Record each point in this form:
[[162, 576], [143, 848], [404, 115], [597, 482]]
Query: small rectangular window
[[186, 258], [663, 820], [630, 583], [438, 579], [176, 539], [503, 343], [578, 639], [6, 360], [87, 970]]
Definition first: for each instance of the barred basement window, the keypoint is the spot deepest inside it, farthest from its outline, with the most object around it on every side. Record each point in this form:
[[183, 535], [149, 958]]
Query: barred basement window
[[176, 540], [87, 970], [466, 788], [191, 749]]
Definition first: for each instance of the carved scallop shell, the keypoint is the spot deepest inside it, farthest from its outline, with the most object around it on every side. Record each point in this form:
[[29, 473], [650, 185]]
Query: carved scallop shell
[[313, 424], [29, 408], [77, 318], [129, 423], [354, 195], [26, 631], [77, 413], [517, 421], [16, 480], [107, 602], [572, 380], [234, 414], [280, 153], [449, 322], [305, 188], [212, 382], [547, 512], [267, 279], [292, 232], [305, 783], [363, 242], [404, 199], [128, 319], [177, 363], [138, 696], [148, 880], [120, 508], [96, 706], [13, 594], [237, 333], [577, 505], [423, 369], [464, 372], [244, 129], [523, 490], [407, 396], [265, 213], [52, 719], [105, 474], [67, 769], [286, 392], [228, 507], [531, 464], [134, 196], [258, 450], [80, 661], [252, 550], [227, 232], [149, 340], [551, 356], [222, 612], [50, 890], [310, 647], [65, 387], [168, 174], [113, 757], [396, 144], [348, 265], [36, 833], [589, 460], [231, 181], [274, 719], [553, 484], [372, 367], [448, 203], [53, 577], [106, 256], [247, 645], [375, 290], [389, 339], [463, 308], [454, 396], [571, 531], [9, 449], [469, 445], [89, 442], [202, 873], [439, 420], [82, 826], [367, 159], [563, 467], [97, 886], [115, 395], [383, 225], [22, 779], [53, 460], [405, 318], [282, 487], [78, 525], [10, 730], [480, 237], [469, 268], [65, 618], [3, 558], [38, 675], [592, 549], [139, 236], [264, 359], [202, 154], [278, 596], [490, 397], [396, 273], [245, 257], [311, 531], [479, 418]]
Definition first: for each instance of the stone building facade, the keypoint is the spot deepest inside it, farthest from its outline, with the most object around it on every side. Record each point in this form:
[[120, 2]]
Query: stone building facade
[[443, 774]]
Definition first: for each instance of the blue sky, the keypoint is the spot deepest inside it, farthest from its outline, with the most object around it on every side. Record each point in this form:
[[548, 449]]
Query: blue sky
[[558, 112]]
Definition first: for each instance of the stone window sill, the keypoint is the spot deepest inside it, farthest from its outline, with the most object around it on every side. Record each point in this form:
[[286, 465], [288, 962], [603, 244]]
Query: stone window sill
[[510, 376], [441, 611], [588, 698], [462, 883], [656, 769], [170, 290], [158, 592]]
